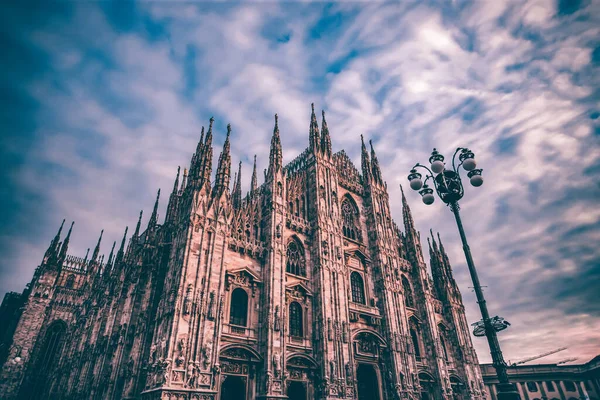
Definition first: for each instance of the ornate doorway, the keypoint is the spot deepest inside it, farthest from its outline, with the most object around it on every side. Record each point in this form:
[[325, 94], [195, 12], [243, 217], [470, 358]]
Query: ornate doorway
[[297, 391], [233, 388], [368, 382], [428, 386], [238, 372]]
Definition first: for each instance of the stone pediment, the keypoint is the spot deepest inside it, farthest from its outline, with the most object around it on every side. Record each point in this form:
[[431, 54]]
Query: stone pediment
[[356, 251], [242, 277], [298, 289]]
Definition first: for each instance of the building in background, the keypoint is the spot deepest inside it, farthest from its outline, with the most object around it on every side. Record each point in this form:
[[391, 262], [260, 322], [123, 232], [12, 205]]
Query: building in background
[[549, 381], [305, 288]]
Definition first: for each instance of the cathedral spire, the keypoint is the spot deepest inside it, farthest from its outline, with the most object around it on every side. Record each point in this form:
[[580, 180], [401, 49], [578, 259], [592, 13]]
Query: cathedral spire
[[275, 156], [253, 183], [52, 251], [224, 167], [435, 247], [409, 223], [65, 246], [200, 145], [364, 161], [97, 249], [206, 159], [237, 188], [154, 216], [87, 253], [314, 131], [109, 263], [375, 165], [176, 184], [137, 227], [325, 138], [121, 250], [184, 180]]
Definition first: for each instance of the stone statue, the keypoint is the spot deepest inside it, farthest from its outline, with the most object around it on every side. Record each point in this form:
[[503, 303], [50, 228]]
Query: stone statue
[[348, 374], [277, 363], [206, 354], [276, 323], [191, 375]]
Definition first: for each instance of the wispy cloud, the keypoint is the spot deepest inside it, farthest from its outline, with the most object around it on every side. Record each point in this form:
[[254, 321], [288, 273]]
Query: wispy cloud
[[104, 100]]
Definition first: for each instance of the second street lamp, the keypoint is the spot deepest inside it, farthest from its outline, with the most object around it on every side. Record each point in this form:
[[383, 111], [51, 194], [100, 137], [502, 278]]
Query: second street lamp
[[448, 185]]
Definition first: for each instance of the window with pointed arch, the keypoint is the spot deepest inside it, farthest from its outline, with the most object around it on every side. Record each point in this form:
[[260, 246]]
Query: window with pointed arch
[[48, 357], [296, 320], [409, 300], [238, 309], [295, 259], [357, 287], [350, 218], [414, 336], [443, 335], [70, 282]]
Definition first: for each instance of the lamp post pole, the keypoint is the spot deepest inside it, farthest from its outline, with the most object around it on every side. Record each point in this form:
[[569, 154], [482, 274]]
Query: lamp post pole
[[449, 188]]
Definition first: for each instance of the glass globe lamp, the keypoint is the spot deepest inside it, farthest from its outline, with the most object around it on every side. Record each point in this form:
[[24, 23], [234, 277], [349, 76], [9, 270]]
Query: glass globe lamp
[[475, 177], [468, 160], [427, 195], [437, 162], [415, 180]]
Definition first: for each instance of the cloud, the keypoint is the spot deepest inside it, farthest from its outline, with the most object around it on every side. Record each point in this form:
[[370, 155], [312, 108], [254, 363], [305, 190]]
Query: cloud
[[104, 101]]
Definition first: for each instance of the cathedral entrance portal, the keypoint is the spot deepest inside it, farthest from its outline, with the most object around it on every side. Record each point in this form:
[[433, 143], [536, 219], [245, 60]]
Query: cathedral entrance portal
[[233, 388], [296, 391], [368, 383]]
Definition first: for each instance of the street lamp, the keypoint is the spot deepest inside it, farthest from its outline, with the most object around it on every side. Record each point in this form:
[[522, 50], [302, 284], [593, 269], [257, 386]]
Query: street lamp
[[448, 185]]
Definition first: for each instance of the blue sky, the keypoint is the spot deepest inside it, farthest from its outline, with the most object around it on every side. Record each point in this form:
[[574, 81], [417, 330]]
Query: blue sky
[[103, 100]]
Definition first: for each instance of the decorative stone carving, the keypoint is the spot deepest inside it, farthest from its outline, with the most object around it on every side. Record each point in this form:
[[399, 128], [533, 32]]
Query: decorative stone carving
[[276, 322], [277, 364], [206, 354], [211, 306], [187, 303]]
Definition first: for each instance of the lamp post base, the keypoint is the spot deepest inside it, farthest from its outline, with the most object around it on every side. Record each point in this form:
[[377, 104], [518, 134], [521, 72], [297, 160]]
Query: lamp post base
[[508, 391]]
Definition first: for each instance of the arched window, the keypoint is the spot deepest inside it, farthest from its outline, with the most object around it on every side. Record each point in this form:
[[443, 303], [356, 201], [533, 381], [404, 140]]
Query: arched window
[[350, 220], [238, 313], [532, 386], [415, 342], [47, 358], [70, 281], [295, 259], [444, 349], [358, 288], [409, 301], [296, 322]]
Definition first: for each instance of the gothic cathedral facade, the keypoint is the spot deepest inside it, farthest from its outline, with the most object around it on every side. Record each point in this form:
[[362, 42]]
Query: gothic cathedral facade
[[305, 288]]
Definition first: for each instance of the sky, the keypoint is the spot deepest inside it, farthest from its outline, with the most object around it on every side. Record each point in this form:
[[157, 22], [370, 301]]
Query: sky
[[101, 101]]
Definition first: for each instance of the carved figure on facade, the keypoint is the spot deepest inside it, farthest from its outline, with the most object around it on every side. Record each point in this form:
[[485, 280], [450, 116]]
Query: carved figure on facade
[[277, 364], [187, 303], [206, 354], [276, 322]]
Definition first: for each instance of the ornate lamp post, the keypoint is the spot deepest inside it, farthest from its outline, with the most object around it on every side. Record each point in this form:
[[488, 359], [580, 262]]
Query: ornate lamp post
[[448, 185]]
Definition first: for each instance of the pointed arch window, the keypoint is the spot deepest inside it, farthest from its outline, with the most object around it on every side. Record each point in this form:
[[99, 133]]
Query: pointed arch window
[[444, 348], [70, 281], [296, 320], [48, 356], [358, 288], [350, 218], [238, 312], [415, 342], [409, 300], [295, 259]]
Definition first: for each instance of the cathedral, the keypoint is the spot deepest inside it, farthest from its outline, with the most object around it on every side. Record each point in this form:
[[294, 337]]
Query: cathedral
[[303, 288]]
